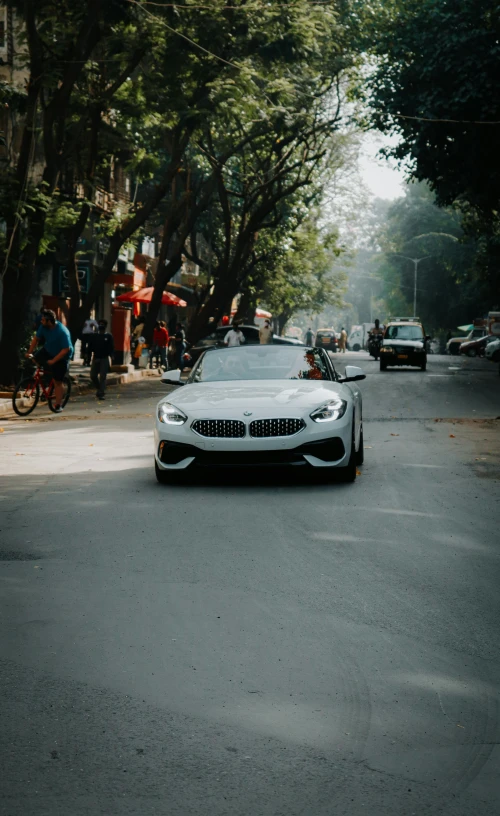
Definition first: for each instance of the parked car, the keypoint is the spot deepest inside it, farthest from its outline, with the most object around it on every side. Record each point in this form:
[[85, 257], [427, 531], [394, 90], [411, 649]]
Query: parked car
[[493, 350], [476, 347], [454, 343], [216, 338], [327, 339], [261, 406]]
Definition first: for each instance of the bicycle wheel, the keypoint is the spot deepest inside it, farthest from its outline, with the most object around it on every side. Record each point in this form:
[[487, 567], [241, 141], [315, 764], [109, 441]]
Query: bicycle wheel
[[25, 396], [66, 393]]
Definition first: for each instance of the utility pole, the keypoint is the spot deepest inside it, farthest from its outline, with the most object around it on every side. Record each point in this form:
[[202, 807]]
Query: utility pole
[[415, 262]]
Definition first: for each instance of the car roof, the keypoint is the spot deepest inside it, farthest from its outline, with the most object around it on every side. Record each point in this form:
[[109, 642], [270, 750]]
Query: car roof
[[403, 323]]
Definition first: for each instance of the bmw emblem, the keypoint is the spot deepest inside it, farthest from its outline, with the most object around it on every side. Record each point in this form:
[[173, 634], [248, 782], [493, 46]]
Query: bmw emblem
[[247, 413]]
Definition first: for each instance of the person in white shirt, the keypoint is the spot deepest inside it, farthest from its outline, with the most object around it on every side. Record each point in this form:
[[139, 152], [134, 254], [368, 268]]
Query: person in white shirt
[[234, 337], [265, 333], [89, 328]]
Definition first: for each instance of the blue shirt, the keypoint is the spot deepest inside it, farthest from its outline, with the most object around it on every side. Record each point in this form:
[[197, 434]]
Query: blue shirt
[[56, 339]]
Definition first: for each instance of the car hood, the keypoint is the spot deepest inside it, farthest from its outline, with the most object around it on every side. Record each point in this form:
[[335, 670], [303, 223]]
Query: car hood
[[269, 397], [418, 344]]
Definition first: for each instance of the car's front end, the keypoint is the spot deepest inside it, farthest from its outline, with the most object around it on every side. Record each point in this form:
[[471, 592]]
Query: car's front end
[[403, 353], [492, 351], [209, 425]]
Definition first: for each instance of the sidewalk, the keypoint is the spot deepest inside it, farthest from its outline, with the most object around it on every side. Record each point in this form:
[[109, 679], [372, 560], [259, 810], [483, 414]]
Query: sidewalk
[[81, 383]]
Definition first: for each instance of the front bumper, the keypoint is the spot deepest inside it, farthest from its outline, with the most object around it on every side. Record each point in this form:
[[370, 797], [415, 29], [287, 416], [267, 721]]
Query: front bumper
[[179, 448], [408, 357]]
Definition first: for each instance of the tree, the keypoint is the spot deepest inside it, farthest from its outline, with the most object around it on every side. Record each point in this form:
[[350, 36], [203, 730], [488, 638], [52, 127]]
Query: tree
[[305, 278], [185, 94], [64, 43], [435, 85], [448, 291]]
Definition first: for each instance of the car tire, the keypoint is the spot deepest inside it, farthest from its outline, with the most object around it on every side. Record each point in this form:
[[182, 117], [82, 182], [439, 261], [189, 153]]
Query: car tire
[[356, 347], [424, 366], [162, 476], [360, 454], [348, 473], [383, 365], [472, 353]]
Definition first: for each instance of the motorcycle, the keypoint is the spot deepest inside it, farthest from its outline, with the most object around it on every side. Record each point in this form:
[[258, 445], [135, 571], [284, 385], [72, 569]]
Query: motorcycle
[[374, 343]]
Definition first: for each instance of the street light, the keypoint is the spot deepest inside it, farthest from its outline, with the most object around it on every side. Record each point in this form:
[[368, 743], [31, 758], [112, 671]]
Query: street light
[[415, 262]]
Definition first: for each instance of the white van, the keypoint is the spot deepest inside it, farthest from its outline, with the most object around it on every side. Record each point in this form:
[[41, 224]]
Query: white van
[[358, 337]]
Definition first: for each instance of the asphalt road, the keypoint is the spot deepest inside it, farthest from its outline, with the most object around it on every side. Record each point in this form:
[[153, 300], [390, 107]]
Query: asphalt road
[[254, 644]]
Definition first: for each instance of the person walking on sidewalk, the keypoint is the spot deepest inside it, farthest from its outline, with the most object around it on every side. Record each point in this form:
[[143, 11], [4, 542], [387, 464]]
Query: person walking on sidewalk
[[180, 346], [56, 352], [103, 347], [343, 340], [89, 329], [159, 346]]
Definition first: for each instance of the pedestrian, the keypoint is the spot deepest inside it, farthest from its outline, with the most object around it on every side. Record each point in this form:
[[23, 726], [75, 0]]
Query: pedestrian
[[102, 346], [180, 346], [55, 354], [235, 336], [139, 345], [89, 328], [159, 345], [342, 339], [309, 337], [265, 333]]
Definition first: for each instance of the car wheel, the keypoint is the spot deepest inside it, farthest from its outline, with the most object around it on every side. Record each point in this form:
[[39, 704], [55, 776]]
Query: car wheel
[[356, 347], [360, 455], [348, 473], [424, 366], [162, 476], [383, 365], [472, 353]]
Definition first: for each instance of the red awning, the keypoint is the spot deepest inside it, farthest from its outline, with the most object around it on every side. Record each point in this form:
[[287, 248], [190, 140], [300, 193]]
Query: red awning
[[145, 295]]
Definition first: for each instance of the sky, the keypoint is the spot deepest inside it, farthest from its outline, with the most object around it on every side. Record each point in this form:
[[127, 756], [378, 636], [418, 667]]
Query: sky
[[382, 178]]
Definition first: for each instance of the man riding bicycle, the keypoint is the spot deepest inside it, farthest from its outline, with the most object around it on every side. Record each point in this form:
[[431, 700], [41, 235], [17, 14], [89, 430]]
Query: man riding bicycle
[[55, 354]]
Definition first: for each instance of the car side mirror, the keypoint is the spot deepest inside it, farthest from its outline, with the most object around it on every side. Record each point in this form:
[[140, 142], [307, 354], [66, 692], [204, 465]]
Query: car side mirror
[[172, 377], [353, 373]]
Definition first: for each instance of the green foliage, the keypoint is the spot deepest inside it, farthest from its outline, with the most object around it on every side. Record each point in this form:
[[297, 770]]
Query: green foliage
[[437, 61], [449, 291], [304, 276]]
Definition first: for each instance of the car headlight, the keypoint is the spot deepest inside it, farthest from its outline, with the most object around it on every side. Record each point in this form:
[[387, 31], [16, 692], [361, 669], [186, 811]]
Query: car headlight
[[333, 409], [387, 348], [170, 414]]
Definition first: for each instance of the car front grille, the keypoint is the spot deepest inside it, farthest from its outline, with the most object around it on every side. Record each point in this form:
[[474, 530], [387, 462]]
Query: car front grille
[[219, 428], [276, 427]]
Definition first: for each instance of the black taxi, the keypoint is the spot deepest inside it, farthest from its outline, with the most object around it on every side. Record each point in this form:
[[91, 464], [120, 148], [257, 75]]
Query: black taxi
[[404, 344]]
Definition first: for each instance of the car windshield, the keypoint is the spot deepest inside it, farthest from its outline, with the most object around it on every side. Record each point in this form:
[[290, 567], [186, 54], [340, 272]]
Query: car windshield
[[260, 363], [404, 333]]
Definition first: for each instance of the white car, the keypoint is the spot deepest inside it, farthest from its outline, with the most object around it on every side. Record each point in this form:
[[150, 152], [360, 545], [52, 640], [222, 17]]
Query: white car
[[492, 351], [261, 405]]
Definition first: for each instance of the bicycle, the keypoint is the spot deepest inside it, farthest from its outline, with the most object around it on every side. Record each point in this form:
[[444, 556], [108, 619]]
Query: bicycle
[[27, 392]]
